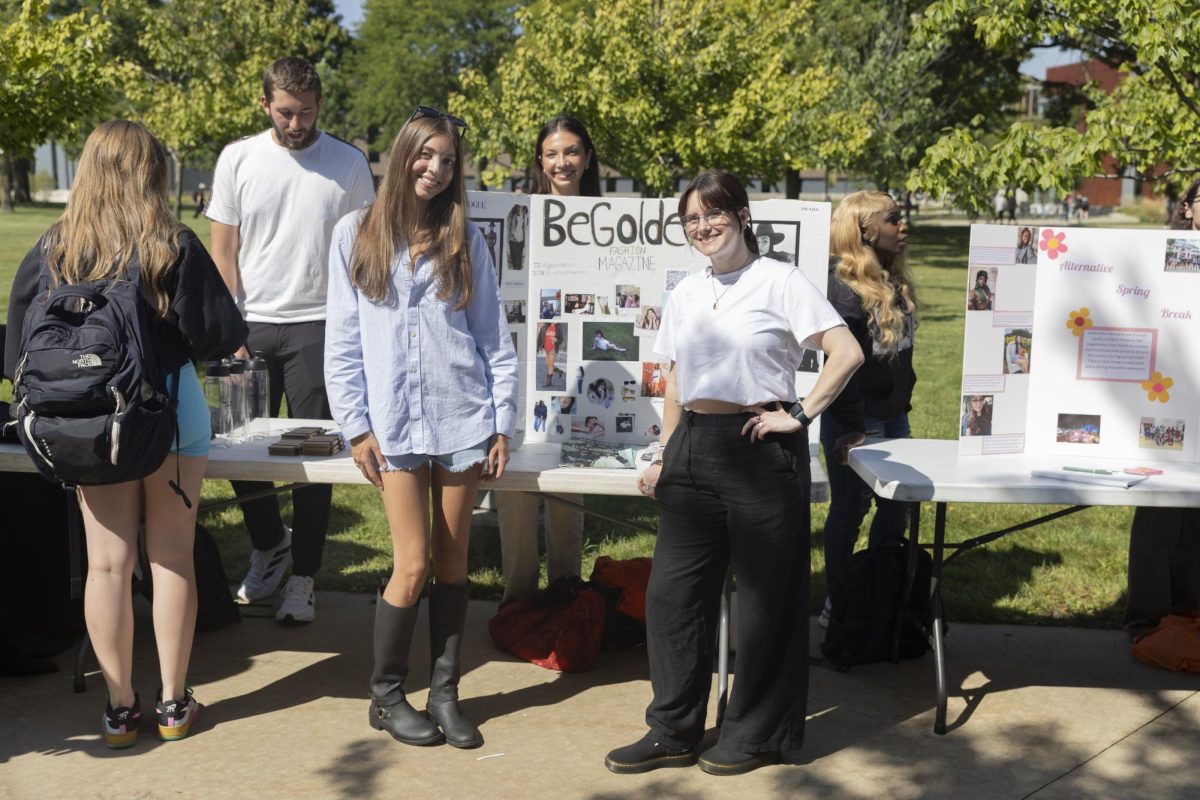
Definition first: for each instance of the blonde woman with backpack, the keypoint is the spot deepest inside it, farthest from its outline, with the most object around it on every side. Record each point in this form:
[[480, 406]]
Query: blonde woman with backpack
[[870, 287], [117, 219]]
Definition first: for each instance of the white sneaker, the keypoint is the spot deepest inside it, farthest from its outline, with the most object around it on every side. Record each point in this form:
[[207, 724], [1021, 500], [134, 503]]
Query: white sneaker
[[267, 568], [298, 603], [823, 618]]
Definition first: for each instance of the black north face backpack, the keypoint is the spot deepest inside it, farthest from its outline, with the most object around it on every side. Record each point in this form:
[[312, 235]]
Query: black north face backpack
[[89, 396]]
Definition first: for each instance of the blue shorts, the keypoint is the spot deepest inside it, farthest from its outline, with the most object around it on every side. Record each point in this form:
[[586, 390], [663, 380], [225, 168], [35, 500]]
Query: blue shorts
[[460, 461], [195, 425]]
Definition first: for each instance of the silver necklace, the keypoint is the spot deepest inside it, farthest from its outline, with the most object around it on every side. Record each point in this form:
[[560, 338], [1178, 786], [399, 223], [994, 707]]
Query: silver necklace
[[713, 283]]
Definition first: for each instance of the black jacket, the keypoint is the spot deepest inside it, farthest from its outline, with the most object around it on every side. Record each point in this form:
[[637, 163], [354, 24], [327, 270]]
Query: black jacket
[[882, 387], [203, 322]]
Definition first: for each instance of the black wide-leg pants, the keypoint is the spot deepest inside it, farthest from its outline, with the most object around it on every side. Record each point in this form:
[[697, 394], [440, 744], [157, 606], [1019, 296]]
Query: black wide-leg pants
[[725, 500]]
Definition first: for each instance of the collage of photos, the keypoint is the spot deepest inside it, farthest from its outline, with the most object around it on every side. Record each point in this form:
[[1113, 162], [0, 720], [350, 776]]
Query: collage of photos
[[1161, 434], [596, 399]]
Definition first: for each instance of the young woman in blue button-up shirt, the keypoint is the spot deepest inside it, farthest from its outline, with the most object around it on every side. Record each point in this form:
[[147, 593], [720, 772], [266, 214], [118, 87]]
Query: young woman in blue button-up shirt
[[422, 379]]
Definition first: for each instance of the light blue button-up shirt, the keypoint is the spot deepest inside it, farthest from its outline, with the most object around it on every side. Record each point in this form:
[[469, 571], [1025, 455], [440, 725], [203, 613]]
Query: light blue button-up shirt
[[423, 377]]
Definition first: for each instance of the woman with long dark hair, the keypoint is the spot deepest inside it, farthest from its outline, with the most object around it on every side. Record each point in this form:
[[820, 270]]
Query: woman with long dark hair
[[564, 165], [733, 487], [118, 215], [428, 402]]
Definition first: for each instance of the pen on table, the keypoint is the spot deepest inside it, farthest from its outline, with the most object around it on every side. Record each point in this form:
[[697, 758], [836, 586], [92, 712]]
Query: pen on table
[[1089, 470]]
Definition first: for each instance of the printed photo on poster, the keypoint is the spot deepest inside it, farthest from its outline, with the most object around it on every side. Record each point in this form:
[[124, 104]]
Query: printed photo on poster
[[579, 304], [562, 404], [493, 234], [600, 392], [628, 296], [1017, 342], [610, 341], [552, 356], [654, 378], [539, 416], [976, 415], [981, 294], [625, 423], [518, 229], [778, 240], [514, 311], [551, 304], [587, 427], [1183, 255], [1156, 433], [629, 390], [1078, 428], [1027, 245], [649, 319]]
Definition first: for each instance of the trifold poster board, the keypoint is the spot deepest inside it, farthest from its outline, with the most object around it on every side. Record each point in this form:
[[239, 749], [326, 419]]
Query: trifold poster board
[[1081, 343], [584, 281]]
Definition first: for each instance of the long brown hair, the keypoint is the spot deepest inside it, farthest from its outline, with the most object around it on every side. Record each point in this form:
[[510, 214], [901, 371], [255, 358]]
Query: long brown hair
[[395, 218], [852, 234], [117, 211]]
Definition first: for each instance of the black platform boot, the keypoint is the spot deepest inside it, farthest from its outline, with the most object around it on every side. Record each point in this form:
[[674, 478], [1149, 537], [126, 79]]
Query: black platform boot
[[447, 617], [390, 711]]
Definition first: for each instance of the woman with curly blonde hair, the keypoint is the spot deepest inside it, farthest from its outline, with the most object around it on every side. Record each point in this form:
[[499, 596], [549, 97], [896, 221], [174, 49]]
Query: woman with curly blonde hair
[[869, 285]]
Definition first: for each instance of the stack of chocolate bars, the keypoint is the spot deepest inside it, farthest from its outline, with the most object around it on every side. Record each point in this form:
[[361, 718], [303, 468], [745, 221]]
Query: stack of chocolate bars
[[310, 441]]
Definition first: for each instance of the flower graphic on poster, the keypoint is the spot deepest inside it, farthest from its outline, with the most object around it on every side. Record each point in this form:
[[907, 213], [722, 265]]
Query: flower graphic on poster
[[1156, 388], [1079, 321], [1052, 242]]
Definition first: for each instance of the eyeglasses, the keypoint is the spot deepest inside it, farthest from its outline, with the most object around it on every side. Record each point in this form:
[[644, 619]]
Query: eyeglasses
[[714, 217], [432, 113]]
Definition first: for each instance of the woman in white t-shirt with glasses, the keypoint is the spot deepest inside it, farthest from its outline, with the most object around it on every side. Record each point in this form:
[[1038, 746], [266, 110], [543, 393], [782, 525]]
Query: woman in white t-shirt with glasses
[[733, 483]]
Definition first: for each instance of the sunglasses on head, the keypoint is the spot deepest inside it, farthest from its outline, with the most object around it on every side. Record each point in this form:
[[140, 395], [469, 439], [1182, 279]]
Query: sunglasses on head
[[432, 113]]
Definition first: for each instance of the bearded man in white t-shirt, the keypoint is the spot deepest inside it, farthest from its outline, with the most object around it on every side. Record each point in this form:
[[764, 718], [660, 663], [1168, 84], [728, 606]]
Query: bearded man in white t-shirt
[[275, 199]]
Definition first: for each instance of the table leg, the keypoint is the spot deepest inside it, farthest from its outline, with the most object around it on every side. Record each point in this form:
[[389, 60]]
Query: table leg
[[910, 575], [935, 602]]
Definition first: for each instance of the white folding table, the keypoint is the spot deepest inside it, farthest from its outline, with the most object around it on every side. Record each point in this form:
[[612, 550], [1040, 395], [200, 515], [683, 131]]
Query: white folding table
[[921, 470]]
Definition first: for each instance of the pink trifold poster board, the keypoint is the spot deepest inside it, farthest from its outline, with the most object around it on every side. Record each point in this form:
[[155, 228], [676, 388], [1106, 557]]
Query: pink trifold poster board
[[1081, 343]]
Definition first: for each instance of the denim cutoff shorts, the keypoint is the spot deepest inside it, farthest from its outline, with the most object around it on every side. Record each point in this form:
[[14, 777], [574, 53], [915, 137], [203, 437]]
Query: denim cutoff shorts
[[459, 461]]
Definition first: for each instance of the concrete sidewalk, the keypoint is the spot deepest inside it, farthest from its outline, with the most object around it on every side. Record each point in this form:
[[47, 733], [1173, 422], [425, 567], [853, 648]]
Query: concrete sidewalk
[[1035, 712]]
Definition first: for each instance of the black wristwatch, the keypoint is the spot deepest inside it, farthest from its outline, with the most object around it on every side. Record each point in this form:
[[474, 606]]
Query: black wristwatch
[[797, 411]]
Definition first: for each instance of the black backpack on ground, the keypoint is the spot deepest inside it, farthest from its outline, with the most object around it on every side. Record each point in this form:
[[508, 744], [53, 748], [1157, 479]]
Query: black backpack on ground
[[89, 395], [864, 612]]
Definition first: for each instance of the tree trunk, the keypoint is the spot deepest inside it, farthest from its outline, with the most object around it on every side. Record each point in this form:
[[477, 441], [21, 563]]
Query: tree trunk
[[480, 166], [54, 161], [178, 158], [22, 168], [6, 203], [792, 184]]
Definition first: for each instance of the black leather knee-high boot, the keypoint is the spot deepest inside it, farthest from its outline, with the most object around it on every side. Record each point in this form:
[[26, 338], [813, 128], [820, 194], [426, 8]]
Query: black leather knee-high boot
[[390, 711], [447, 617]]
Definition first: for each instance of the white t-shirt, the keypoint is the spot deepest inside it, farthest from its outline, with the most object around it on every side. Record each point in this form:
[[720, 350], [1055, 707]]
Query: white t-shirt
[[285, 204], [747, 350]]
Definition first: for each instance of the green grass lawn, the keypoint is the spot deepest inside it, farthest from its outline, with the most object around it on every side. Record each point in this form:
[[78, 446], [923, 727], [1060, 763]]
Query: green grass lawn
[[1071, 571]]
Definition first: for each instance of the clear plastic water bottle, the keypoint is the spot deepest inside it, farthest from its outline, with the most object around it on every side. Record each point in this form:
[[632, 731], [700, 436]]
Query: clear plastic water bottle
[[258, 398], [216, 395], [237, 400]]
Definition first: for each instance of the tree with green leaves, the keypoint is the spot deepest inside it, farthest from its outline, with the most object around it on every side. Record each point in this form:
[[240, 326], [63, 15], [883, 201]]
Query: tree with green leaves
[[52, 79], [1144, 123], [666, 88], [199, 66], [910, 85], [410, 53]]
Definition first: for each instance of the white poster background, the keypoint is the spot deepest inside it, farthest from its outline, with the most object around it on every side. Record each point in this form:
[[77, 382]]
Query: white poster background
[[598, 263], [1086, 404], [504, 221]]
